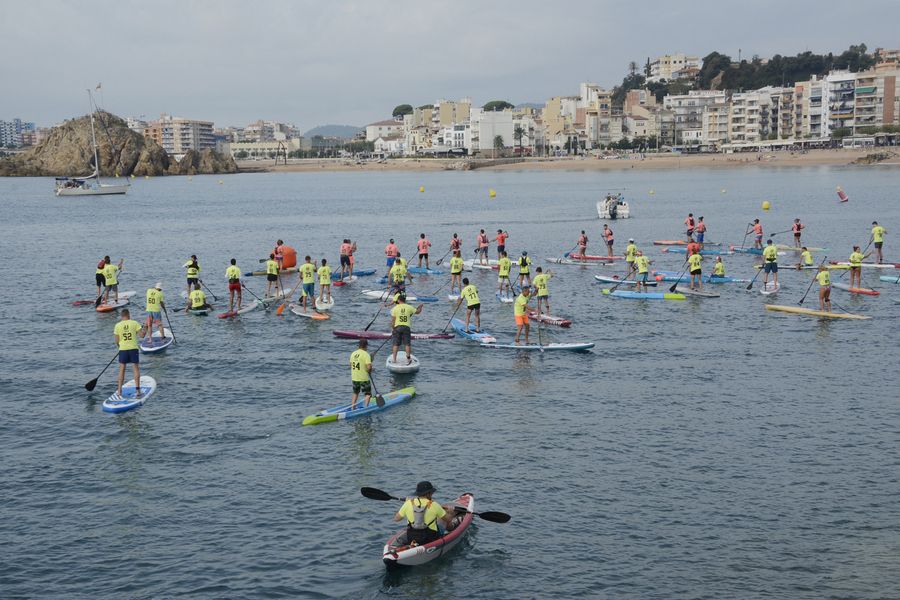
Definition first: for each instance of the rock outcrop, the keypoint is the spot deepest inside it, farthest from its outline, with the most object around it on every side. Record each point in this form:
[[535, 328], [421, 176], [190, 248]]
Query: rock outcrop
[[67, 150]]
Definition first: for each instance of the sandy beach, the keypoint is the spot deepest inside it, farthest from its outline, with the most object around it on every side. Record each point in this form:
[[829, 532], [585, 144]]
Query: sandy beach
[[580, 163]]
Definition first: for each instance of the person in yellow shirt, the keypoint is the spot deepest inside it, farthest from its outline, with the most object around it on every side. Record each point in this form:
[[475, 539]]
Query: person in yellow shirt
[[197, 300], [642, 264], [308, 277], [401, 326], [806, 258], [233, 274], [324, 282], [770, 263], [696, 270], [193, 272], [100, 277], [399, 274], [856, 260], [824, 279], [272, 278], [541, 283], [360, 373], [110, 280], [473, 304], [504, 265], [422, 515], [456, 268], [718, 268], [155, 304], [520, 310], [878, 239], [127, 333], [630, 253], [524, 269]]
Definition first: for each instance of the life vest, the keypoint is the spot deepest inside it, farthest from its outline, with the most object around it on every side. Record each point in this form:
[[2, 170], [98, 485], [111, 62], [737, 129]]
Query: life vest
[[419, 511]]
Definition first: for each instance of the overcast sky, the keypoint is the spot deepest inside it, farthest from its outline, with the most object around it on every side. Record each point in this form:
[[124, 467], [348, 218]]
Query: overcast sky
[[327, 61]]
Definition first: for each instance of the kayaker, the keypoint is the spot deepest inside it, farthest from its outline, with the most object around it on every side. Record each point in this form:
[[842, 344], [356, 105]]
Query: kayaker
[[504, 265], [455, 243], [392, 252], [770, 262], [689, 225], [469, 293], [279, 253], [308, 277], [878, 239], [718, 268], [456, 268], [360, 374], [541, 283], [422, 514], [272, 274], [630, 254], [806, 259], [824, 279], [110, 280], [501, 242], [99, 277], [694, 264], [582, 244], [401, 324], [155, 303], [197, 299], [520, 310], [608, 236], [346, 253], [399, 274], [483, 243], [797, 229], [757, 229], [642, 264], [324, 282], [524, 269], [127, 333], [856, 260], [233, 274], [193, 272], [700, 230], [423, 245]]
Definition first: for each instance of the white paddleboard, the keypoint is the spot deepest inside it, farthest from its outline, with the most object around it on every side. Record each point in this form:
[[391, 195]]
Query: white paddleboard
[[323, 305], [769, 289], [113, 305], [687, 291], [127, 401], [505, 298], [452, 297], [400, 366], [309, 313], [156, 343]]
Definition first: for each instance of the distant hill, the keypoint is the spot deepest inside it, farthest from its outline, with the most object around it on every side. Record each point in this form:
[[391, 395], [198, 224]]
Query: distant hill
[[529, 105], [340, 131]]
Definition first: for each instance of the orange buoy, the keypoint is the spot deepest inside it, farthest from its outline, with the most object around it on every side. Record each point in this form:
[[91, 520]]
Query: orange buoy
[[289, 257]]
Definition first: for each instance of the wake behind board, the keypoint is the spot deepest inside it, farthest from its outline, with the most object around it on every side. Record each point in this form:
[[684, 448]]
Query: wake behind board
[[128, 400]]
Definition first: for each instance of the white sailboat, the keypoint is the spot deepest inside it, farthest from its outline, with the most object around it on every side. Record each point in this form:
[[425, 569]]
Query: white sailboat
[[90, 185]]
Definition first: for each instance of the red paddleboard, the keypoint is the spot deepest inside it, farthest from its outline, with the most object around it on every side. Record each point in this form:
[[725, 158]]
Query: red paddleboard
[[549, 319], [226, 315], [855, 290]]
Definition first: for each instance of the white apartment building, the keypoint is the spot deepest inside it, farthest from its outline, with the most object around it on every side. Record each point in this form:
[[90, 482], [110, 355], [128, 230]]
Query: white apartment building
[[487, 125], [668, 65], [383, 129], [258, 150], [687, 109], [839, 94]]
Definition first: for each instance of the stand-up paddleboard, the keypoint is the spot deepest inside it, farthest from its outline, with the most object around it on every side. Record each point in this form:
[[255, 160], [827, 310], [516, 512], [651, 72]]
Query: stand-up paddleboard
[[889, 278], [549, 319], [483, 337], [754, 251], [619, 281], [797, 267], [308, 313], [643, 295], [854, 290], [769, 288], [113, 305], [263, 272], [200, 312], [571, 347], [424, 271], [252, 305], [681, 243], [579, 263], [356, 273], [343, 413], [128, 400], [591, 257], [357, 334], [385, 295], [787, 248], [452, 297], [704, 252], [323, 305], [505, 298], [870, 265], [685, 278], [470, 264], [156, 343], [687, 291], [401, 366], [814, 313], [345, 281], [482, 267]]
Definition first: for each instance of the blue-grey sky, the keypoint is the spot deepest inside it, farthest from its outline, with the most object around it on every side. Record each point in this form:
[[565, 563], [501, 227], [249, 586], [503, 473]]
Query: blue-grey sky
[[329, 61]]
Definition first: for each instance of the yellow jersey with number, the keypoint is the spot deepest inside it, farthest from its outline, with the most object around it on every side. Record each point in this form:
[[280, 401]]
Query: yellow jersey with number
[[233, 273], [129, 333], [402, 314], [359, 365], [308, 273], [470, 293], [325, 275], [154, 300], [198, 299]]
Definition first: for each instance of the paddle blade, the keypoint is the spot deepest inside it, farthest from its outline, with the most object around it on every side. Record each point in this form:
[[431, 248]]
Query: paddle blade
[[280, 310], [495, 517], [90, 385], [373, 494], [674, 285], [379, 400]]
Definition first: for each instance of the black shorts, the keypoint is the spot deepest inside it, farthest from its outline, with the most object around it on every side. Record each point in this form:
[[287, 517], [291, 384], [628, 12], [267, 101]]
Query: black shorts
[[771, 267], [609, 243], [402, 335], [362, 386], [879, 244], [345, 260], [424, 255], [100, 279], [270, 277], [474, 307], [697, 272], [501, 248], [191, 281]]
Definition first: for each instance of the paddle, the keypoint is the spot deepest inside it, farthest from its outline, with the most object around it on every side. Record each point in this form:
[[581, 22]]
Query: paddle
[[280, 310], [378, 312], [566, 255], [746, 233], [211, 293], [90, 385], [493, 516], [624, 279], [446, 283], [255, 296], [444, 330], [540, 339], [379, 399], [441, 259], [811, 283], [750, 285], [841, 276], [169, 321], [680, 275], [780, 232]]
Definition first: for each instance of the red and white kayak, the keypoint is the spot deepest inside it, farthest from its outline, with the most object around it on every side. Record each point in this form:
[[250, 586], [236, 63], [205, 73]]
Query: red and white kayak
[[855, 290], [549, 319], [593, 257], [358, 334], [397, 553]]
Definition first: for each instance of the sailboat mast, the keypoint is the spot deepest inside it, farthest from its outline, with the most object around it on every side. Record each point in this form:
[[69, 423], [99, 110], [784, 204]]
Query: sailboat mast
[[94, 136]]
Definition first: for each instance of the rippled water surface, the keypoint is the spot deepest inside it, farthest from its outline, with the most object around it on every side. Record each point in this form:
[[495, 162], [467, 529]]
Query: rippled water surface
[[703, 449]]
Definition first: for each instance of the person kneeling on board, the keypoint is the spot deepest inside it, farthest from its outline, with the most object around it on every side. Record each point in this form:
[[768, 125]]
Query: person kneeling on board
[[197, 299], [127, 333], [360, 373], [401, 323], [422, 514]]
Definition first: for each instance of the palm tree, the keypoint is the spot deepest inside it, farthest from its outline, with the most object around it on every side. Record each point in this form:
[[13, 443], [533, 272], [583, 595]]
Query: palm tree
[[518, 134], [498, 144]]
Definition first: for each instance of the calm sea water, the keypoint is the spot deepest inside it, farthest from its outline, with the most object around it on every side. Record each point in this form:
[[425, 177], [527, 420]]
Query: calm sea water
[[703, 449]]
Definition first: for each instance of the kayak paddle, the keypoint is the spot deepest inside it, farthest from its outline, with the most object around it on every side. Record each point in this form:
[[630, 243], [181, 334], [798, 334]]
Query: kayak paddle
[[169, 321], [90, 385], [811, 282], [376, 494]]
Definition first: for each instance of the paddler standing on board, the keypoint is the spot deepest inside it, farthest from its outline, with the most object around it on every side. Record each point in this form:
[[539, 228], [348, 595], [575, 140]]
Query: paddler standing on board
[[422, 246], [110, 279], [401, 326], [399, 274], [856, 260], [797, 229], [127, 333], [155, 304], [360, 374], [455, 243], [608, 236], [483, 243], [824, 279], [233, 274], [272, 271], [689, 225], [541, 283], [504, 265], [582, 245], [806, 259], [770, 263], [99, 277], [700, 231], [524, 269], [520, 310], [308, 279], [473, 304], [346, 253], [391, 252], [279, 253], [642, 264], [456, 268], [878, 238], [694, 264], [630, 254], [501, 242], [757, 229], [193, 273], [324, 282]]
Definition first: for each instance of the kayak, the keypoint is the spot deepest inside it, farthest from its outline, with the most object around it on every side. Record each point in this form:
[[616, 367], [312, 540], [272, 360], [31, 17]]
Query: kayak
[[615, 279], [799, 248], [681, 243], [814, 313], [704, 252], [699, 293], [386, 295], [581, 263], [592, 257], [853, 290], [113, 305], [343, 412], [402, 366], [769, 288], [571, 347], [127, 401], [156, 343], [358, 334], [483, 336], [504, 298], [356, 273], [755, 251], [323, 305], [889, 278], [644, 295], [424, 271], [344, 281], [869, 265], [549, 319], [244, 309], [397, 553], [309, 314]]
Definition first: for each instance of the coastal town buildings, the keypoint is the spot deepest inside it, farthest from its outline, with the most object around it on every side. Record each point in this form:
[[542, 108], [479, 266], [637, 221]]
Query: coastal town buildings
[[383, 128], [673, 66], [178, 135], [16, 133]]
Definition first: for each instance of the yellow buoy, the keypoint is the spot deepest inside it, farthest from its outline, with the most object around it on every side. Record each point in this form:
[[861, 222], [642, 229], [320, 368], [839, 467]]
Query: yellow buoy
[[146, 177], [422, 188], [132, 175], [492, 193], [724, 191], [651, 192], [221, 182], [766, 205]]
